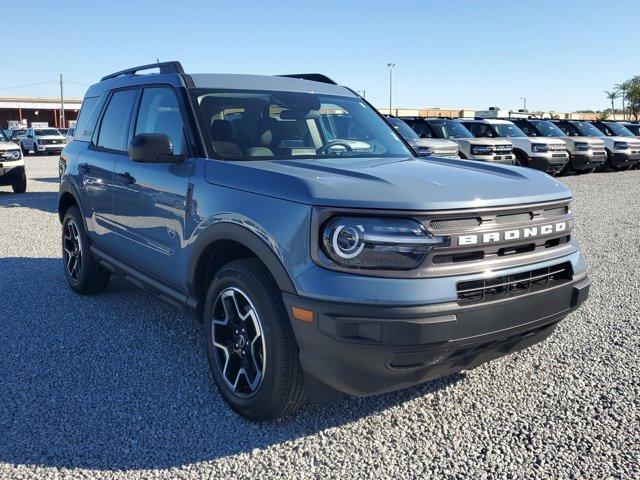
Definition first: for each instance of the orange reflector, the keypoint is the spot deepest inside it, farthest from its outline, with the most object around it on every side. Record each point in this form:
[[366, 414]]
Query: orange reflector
[[302, 314]]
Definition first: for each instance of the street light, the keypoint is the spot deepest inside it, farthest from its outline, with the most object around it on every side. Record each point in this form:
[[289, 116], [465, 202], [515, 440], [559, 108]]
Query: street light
[[391, 67], [524, 99]]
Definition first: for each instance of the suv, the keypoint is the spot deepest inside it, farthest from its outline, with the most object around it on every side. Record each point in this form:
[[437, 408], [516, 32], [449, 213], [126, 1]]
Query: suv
[[620, 152], [44, 141], [16, 134], [544, 153], [624, 141], [585, 153], [317, 268], [484, 149], [11, 165], [424, 146]]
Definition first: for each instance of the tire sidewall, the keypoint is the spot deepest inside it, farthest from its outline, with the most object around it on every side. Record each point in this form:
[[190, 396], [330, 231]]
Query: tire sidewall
[[253, 405], [74, 214]]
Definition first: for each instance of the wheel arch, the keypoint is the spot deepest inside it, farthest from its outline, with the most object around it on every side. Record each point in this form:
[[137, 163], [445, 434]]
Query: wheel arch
[[68, 197]]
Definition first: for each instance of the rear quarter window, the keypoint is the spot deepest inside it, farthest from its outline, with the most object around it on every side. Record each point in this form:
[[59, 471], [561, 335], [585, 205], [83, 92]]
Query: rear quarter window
[[87, 119]]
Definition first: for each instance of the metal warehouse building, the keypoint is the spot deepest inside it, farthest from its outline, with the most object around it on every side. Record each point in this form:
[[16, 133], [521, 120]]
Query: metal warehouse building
[[37, 109]]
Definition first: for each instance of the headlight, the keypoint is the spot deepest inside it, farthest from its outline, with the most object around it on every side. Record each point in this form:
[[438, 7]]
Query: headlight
[[539, 147], [620, 145], [11, 155], [582, 146], [377, 243], [481, 150]]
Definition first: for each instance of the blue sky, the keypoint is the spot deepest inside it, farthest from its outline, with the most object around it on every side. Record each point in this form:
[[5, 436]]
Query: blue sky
[[560, 54]]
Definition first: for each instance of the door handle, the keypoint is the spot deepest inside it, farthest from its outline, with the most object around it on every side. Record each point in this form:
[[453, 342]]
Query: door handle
[[126, 178], [84, 168]]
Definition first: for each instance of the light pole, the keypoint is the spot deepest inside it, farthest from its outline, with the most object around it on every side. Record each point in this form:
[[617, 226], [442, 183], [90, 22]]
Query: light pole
[[524, 99], [61, 101], [391, 67]]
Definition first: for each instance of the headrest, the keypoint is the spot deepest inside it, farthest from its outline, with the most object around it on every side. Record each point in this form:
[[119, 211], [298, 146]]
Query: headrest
[[221, 130], [269, 133]]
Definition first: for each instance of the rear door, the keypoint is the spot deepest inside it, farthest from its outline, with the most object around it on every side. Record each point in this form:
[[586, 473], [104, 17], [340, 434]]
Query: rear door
[[150, 198], [96, 164]]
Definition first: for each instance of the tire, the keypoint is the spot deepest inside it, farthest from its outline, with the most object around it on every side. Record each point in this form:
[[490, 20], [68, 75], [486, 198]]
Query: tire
[[278, 390], [462, 155], [521, 160], [84, 274], [20, 186], [25, 152]]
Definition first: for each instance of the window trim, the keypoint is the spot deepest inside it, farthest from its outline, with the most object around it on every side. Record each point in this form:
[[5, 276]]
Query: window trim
[[96, 134]]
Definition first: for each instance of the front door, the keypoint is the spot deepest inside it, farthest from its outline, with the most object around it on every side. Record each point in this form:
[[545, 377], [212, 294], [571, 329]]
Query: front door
[[150, 198]]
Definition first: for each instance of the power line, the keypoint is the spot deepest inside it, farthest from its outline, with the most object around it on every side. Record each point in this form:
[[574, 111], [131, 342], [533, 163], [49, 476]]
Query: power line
[[77, 83], [29, 85]]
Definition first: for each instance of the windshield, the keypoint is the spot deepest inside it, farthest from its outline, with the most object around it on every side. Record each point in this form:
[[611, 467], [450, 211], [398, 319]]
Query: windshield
[[588, 130], [3, 136], [450, 129], [261, 125], [620, 130], [634, 128], [403, 129], [547, 129], [507, 130], [17, 133], [46, 131]]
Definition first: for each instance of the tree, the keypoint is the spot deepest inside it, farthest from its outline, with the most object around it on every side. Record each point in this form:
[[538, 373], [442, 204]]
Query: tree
[[623, 88], [612, 95], [633, 96]]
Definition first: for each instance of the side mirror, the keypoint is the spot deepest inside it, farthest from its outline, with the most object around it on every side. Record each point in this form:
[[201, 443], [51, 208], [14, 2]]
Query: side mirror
[[151, 148]]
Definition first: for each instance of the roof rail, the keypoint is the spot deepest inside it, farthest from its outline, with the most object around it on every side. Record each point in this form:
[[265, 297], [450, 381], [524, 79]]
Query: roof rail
[[165, 67], [314, 77]]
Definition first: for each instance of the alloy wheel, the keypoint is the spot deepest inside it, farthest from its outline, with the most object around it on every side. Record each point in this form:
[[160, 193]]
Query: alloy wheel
[[72, 249], [238, 341]]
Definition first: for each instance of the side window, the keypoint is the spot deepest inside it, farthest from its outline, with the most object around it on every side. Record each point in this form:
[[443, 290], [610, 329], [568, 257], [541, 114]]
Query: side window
[[421, 129], [86, 120], [115, 122], [159, 113], [526, 128]]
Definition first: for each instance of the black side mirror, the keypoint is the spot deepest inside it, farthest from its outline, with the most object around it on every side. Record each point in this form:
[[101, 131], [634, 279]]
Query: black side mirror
[[152, 148]]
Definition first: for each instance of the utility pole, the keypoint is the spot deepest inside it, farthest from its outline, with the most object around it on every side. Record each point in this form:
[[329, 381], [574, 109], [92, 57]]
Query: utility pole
[[524, 99], [391, 67], [62, 125]]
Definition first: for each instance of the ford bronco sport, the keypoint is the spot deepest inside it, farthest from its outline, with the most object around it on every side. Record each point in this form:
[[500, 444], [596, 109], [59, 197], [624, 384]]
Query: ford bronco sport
[[322, 255], [426, 147], [11, 165]]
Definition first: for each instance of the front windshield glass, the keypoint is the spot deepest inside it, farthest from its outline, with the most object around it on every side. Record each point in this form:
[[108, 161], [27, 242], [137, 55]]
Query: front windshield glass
[[403, 129], [450, 129], [588, 130], [634, 128], [46, 131], [17, 133], [620, 130], [508, 130], [260, 125], [3, 136], [547, 129]]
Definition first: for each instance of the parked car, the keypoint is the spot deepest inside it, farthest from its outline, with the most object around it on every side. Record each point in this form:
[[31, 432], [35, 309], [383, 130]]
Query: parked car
[[70, 133], [11, 165], [548, 154], [16, 134], [424, 146], [621, 152], [483, 149], [45, 141], [585, 153], [317, 269]]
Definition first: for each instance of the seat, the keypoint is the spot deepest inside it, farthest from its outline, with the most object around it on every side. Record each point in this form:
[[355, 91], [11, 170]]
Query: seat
[[268, 138], [221, 138]]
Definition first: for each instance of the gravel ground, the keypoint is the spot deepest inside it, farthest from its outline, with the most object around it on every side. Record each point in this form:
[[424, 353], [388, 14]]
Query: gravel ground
[[117, 386]]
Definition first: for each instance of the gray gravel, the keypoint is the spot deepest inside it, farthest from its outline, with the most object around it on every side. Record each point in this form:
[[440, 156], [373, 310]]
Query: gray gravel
[[117, 386]]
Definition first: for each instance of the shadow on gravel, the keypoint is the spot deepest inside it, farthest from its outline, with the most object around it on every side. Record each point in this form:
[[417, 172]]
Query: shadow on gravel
[[47, 180], [120, 381], [44, 201]]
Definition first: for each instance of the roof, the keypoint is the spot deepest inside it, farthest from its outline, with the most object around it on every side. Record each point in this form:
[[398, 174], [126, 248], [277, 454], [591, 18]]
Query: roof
[[39, 103]]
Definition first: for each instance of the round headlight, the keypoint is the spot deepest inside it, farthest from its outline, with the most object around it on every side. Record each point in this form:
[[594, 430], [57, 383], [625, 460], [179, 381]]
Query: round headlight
[[347, 241]]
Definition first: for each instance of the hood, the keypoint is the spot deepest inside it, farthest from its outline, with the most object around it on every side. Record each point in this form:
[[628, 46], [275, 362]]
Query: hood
[[432, 143], [593, 141], [383, 183], [4, 146], [548, 140], [485, 141], [50, 137], [630, 140]]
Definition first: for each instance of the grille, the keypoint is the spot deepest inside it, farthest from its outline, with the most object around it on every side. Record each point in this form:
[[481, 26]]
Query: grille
[[503, 148], [507, 286], [514, 218], [450, 223], [556, 212], [557, 147]]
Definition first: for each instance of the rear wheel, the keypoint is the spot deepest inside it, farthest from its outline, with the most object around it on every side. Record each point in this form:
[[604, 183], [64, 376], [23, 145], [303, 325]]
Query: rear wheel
[[84, 274], [252, 352]]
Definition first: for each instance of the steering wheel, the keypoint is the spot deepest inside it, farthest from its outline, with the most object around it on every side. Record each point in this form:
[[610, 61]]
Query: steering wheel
[[334, 143]]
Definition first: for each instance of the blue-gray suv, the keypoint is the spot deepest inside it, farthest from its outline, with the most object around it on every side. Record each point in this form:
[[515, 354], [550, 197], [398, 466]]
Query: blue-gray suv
[[322, 255]]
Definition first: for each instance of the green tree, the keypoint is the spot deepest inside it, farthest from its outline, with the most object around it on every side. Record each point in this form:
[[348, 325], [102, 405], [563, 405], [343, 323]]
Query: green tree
[[612, 95], [623, 88], [633, 97]]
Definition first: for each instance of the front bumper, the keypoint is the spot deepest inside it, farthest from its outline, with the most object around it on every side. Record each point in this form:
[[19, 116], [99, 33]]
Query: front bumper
[[366, 349], [624, 159], [11, 174], [551, 163], [586, 161], [55, 148]]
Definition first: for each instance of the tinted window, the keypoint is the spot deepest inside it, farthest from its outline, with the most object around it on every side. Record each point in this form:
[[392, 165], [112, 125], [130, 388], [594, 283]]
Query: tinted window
[[159, 113], [619, 130], [526, 128], [83, 126], [421, 128], [47, 132], [404, 129], [508, 130], [114, 127], [548, 129], [450, 129]]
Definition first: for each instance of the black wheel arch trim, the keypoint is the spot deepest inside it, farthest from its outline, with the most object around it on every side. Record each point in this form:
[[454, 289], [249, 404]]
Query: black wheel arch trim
[[66, 187], [245, 237]]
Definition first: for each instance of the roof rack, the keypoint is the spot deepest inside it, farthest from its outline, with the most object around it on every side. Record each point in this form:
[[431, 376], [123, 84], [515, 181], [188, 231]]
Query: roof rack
[[164, 67], [314, 77]]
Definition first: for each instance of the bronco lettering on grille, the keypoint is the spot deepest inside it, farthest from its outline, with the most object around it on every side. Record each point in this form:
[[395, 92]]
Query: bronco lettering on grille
[[512, 234]]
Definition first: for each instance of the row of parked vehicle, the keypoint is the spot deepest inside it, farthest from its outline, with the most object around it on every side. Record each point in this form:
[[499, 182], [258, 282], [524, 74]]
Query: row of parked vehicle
[[40, 141], [553, 146]]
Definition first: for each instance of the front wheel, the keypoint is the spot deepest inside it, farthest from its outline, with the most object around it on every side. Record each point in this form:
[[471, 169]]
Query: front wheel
[[84, 274], [20, 186], [521, 160], [252, 352]]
